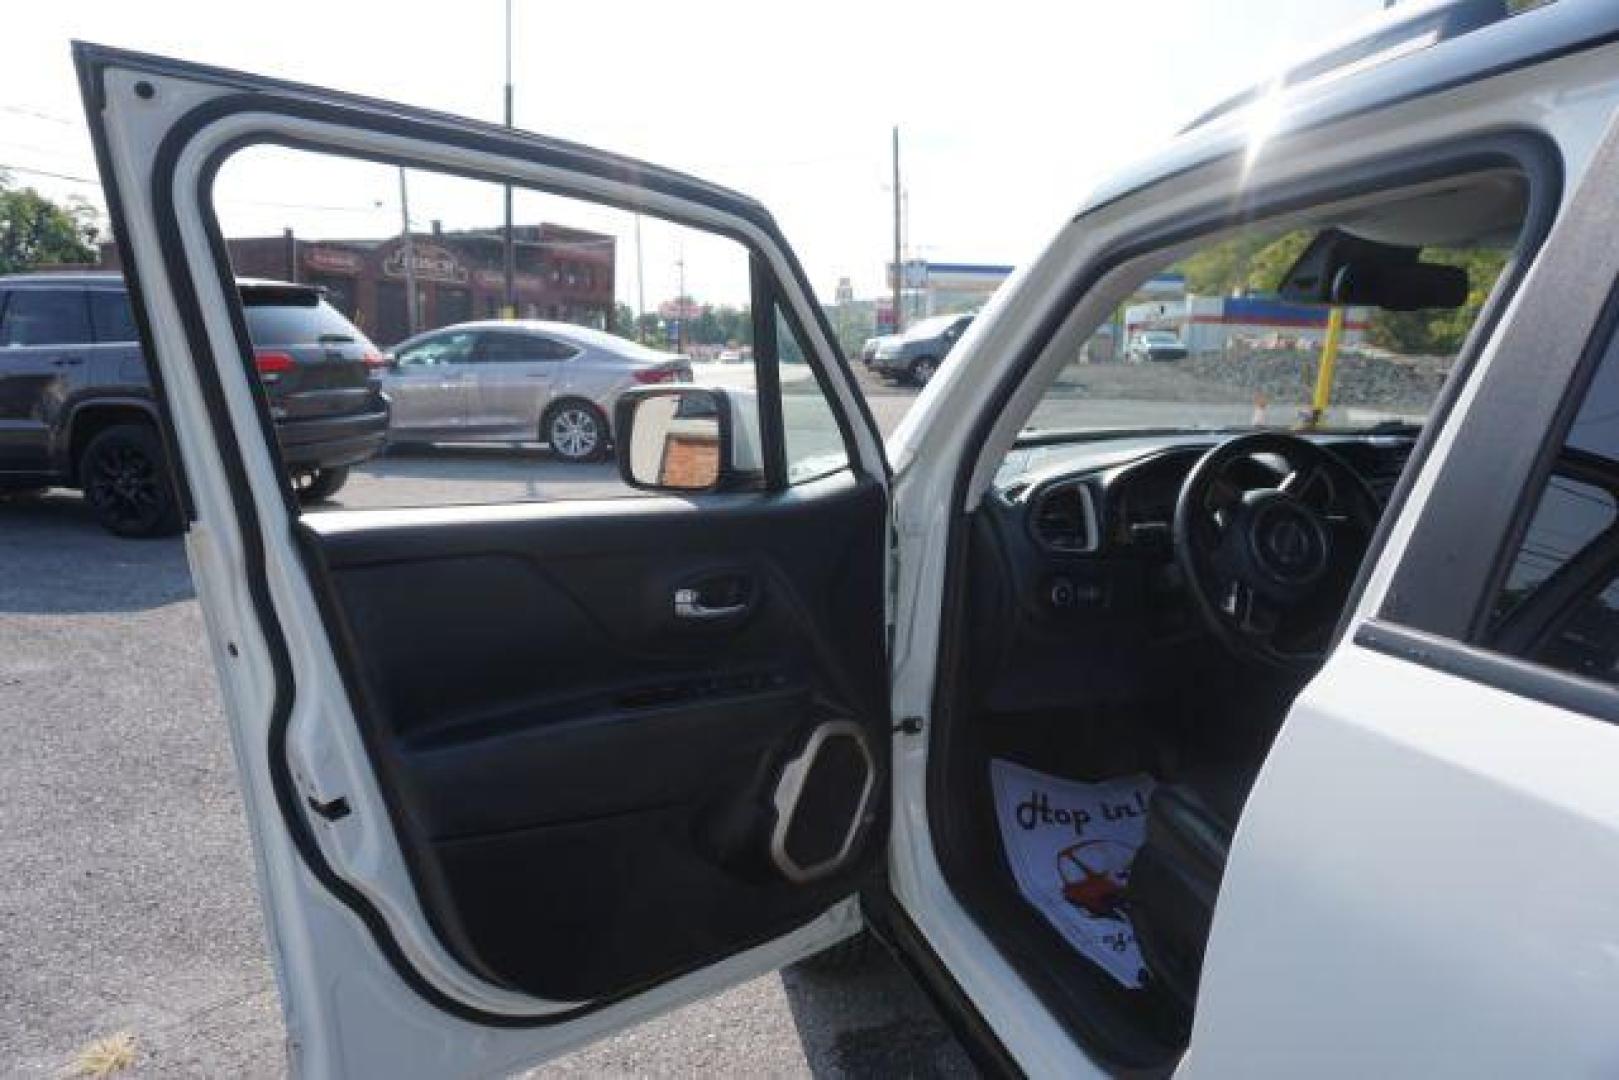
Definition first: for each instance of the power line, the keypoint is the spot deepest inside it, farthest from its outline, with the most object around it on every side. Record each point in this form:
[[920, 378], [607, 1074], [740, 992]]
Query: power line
[[47, 172], [36, 114]]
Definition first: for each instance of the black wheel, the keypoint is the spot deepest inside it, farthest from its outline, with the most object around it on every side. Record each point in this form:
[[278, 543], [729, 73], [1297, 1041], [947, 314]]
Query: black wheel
[[320, 484], [575, 431], [845, 958], [125, 479], [922, 369]]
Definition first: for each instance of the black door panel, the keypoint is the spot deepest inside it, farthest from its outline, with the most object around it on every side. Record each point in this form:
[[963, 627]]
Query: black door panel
[[583, 779]]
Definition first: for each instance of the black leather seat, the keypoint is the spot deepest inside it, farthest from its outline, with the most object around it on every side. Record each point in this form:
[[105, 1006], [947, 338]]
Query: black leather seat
[[1176, 875]]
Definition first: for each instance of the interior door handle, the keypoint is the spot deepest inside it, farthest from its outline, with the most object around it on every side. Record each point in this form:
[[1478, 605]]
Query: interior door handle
[[689, 605]]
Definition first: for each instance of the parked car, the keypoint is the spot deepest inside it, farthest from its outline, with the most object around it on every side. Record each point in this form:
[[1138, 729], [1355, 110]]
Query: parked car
[[1315, 729], [1155, 345], [519, 381], [868, 349], [915, 354], [77, 406]]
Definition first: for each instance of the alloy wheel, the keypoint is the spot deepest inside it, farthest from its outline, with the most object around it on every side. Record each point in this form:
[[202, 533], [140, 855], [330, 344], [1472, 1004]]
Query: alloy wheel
[[123, 486], [575, 433]]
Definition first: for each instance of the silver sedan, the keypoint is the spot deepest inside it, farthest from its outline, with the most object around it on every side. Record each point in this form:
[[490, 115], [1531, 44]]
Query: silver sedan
[[519, 381]]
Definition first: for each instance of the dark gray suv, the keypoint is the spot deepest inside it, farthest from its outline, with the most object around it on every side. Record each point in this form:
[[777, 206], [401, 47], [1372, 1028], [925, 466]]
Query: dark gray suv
[[76, 405], [916, 354]]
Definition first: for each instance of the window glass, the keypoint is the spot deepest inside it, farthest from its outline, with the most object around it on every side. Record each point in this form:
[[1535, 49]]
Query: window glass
[[297, 322], [46, 317], [439, 349], [456, 417], [1559, 605], [112, 317], [812, 440], [1209, 343], [503, 346]]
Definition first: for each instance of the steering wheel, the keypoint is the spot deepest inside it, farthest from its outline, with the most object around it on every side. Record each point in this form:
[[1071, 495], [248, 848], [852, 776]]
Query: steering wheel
[[1269, 568]]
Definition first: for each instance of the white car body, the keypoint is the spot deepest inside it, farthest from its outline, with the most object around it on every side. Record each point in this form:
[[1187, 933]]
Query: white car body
[[1361, 928]]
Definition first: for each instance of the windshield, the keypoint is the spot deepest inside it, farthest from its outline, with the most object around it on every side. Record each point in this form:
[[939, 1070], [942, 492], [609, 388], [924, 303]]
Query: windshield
[[931, 327], [1250, 360]]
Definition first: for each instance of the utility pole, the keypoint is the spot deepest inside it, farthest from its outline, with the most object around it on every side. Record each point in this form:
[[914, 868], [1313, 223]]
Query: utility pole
[[899, 270], [511, 249], [640, 286], [407, 250], [681, 306]]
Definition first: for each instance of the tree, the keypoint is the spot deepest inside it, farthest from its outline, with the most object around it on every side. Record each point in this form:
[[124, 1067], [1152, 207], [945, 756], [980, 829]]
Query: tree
[[623, 320], [35, 231], [1437, 332], [1247, 262]]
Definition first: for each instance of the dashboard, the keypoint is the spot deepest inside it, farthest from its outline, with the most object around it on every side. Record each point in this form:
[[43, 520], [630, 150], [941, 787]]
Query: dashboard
[[1074, 569]]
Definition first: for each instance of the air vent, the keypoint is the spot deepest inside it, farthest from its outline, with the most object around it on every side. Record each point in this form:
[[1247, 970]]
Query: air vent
[[1064, 518]]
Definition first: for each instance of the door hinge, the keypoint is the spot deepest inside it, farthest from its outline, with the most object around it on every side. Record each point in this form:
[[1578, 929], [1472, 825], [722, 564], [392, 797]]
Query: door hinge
[[911, 725]]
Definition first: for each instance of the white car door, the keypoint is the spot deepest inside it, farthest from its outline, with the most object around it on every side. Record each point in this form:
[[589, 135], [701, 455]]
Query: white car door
[[646, 756], [1425, 880]]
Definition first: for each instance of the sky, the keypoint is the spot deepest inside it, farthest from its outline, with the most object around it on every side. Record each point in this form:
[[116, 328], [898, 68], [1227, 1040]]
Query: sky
[[1008, 112]]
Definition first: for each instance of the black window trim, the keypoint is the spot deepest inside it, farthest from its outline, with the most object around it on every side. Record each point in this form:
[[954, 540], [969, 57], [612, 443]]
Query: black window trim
[[1522, 678], [1469, 657]]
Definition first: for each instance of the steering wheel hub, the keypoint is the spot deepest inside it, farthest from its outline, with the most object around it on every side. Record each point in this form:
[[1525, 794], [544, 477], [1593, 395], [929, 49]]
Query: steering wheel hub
[[1286, 540]]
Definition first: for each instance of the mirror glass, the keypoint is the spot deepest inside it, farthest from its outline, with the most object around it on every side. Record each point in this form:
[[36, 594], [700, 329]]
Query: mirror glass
[[675, 442]]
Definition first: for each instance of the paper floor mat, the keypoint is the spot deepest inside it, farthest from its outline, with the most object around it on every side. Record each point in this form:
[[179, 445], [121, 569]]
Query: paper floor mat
[[1071, 844]]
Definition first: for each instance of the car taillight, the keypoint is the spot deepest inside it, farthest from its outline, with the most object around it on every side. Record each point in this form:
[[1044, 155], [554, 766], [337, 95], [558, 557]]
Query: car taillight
[[657, 375], [374, 359], [273, 364]]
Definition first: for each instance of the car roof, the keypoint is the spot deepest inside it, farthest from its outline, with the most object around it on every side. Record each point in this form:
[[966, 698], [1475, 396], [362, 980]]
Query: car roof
[[572, 333], [1382, 62], [113, 277]]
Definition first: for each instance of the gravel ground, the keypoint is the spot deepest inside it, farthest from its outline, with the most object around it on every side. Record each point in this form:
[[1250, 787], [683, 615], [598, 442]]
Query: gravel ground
[[127, 902]]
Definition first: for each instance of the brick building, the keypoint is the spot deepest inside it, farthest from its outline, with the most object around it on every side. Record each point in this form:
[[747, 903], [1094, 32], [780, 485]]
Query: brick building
[[563, 274]]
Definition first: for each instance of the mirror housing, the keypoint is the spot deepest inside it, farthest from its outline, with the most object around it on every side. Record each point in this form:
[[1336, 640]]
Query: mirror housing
[[1410, 287], [684, 439], [1337, 268]]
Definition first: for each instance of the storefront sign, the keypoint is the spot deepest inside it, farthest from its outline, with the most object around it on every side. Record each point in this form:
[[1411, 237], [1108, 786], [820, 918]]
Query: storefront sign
[[430, 262], [332, 260]]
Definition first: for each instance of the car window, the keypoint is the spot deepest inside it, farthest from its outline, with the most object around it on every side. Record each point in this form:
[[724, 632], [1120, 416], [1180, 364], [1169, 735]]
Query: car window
[[611, 301], [297, 323], [504, 346], [1559, 604], [812, 439], [439, 349], [111, 316], [46, 317]]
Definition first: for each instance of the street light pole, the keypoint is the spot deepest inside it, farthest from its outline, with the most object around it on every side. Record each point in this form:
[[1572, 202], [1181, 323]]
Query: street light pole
[[407, 251], [640, 286], [681, 307], [511, 250], [898, 269]]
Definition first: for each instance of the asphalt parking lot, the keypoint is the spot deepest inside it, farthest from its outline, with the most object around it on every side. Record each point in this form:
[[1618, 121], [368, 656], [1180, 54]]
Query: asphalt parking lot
[[127, 901]]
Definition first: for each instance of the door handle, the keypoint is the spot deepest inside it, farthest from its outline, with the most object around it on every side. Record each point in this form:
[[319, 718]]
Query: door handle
[[689, 605]]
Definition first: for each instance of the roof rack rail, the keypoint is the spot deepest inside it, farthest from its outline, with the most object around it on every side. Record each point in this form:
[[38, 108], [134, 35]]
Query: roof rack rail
[[1398, 33]]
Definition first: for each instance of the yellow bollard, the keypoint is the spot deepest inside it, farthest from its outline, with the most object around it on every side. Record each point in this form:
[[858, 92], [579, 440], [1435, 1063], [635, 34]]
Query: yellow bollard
[[1325, 370]]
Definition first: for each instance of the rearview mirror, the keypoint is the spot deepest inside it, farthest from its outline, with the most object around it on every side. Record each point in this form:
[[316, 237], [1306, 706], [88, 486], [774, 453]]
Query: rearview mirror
[[1337, 268], [1411, 287], [686, 439]]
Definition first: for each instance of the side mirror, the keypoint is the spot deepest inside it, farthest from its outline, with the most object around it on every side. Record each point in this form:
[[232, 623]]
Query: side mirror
[[687, 439]]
